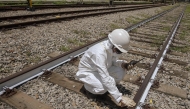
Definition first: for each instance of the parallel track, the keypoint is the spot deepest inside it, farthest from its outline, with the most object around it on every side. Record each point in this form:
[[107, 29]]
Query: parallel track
[[67, 12], [68, 17], [50, 6], [40, 7]]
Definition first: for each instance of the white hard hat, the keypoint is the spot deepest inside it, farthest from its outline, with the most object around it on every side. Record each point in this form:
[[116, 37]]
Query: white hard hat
[[120, 39]]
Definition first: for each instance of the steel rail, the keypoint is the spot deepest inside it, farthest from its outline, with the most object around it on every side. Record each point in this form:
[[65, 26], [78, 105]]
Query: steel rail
[[149, 79], [14, 8], [68, 12], [23, 7], [8, 26], [19, 78]]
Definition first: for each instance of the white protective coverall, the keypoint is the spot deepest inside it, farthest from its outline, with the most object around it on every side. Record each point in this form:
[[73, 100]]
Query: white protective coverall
[[100, 70]]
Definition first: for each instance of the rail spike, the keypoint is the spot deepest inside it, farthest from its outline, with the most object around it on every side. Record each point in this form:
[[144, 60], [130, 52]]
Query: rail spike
[[46, 73], [156, 84], [169, 51], [139, 81], [162, 68], [154, 55], [73, 60], [166, 58], [8, 92]]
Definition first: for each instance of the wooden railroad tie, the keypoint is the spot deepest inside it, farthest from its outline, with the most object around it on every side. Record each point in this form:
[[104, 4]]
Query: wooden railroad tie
[[21, 100]]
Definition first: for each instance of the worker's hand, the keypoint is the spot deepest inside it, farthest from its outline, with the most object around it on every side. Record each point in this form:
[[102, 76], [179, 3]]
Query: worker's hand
[[128, 66], [125, 101]]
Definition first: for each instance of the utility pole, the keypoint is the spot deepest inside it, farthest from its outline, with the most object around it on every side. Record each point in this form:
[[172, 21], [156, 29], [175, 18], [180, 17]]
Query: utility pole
[[111, 2], [30, 7]]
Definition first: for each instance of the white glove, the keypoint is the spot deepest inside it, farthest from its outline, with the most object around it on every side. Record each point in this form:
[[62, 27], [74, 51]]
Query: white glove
[[125, 101]]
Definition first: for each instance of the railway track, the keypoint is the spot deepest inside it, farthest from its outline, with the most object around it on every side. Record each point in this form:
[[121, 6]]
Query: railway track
[[48, 72], [11, 7], [57, 16], [66, 12], [40, 7]]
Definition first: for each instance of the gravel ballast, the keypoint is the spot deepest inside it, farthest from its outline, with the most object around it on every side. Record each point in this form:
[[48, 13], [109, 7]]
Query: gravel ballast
[[21, 48]]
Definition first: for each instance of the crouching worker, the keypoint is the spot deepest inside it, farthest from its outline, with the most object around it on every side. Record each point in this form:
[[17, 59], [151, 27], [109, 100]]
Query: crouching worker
[[100, 69]]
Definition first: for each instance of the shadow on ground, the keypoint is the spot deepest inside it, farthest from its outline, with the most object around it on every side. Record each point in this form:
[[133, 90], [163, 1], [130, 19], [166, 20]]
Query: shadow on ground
[[106, 100]]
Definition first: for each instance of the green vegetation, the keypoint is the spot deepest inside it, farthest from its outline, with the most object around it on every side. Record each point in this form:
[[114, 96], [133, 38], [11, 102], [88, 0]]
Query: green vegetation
[[167, 7], [158, 36], [1, 69], [76, 31], [114, 26], [157, 11], [187, 68], [132, 19], [28, 53], [163, 8], [164, 21], [64, 48], [102, 34], [120, 21], [169, 19], [145, 16], [38, 2], [10, 2], [186, 21], [134, 30], [154, 45], [1, 4], [82, 33], [131, 2], [73, 41], [187, 11], [14, 4], [166, 28], [81, 43], [60, 2], [184, 49], [183, 35], [34, 59], [4, 70], [156, 42]]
